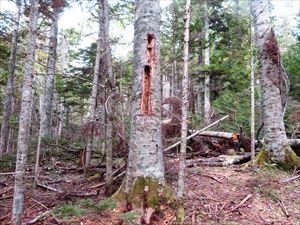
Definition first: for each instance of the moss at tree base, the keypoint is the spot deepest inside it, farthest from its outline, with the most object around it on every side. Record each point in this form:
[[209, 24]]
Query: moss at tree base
[[291, 160], [144, 193]]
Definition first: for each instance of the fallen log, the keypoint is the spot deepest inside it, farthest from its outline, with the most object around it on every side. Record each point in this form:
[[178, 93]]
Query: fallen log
[[222, 160], [218, 134]]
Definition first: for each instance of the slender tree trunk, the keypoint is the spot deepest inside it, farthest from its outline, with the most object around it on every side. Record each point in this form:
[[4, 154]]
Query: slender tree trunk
[[22, 146], [185, 101], [10, 84], [110, 91], [145, 171], [173, 89], [93, 103], [207, 107], [252, 92], [48, 90], [274, 85]]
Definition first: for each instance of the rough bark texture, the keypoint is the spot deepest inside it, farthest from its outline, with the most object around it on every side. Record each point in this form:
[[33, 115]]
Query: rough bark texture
[[274, 85], [206, 62], [47, 98], [252, 84], [145, 171], [185, 101], [48, 89], [145, 156], [22, 146], [110, 91], [93, 103], [10, 84]]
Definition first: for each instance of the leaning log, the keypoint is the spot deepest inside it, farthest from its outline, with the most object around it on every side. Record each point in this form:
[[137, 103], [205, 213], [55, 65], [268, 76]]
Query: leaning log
[[196, 133], [222, 160]]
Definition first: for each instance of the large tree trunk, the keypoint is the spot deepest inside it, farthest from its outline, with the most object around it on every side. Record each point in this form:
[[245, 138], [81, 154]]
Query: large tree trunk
[[274, 85], [145, 171], [10, 84], [185, 101], [22, 146], [207, 107], [93, 103]]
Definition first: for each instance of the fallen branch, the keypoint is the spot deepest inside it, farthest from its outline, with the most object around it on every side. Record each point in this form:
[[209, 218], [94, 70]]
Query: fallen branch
[[40, 216], [49, 188], [7, 173], [196, 133], [290, 179], [241, 203], [222, 160], [103, 183]]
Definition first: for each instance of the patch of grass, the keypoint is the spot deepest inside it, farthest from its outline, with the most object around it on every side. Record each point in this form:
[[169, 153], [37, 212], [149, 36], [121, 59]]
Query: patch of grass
[[68, 210], [129, 217], [105, 204]]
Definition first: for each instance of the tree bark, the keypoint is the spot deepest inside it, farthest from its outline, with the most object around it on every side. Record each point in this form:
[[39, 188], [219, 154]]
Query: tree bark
[[48, 89], [47, 98], [145, 170], [93, 100], [185, 101], [22, 146], [252, 84], [10, 84], [110, 95], [207, 107], [274, 85]]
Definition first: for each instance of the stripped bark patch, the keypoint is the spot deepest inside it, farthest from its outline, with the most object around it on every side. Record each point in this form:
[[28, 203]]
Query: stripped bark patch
[[147, 73]]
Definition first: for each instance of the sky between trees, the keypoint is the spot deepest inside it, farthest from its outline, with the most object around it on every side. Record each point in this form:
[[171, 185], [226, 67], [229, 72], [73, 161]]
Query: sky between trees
[[76, 16]]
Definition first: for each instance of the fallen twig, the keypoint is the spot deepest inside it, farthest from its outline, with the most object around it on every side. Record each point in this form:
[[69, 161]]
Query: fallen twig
[[282, 206], [49, 188], [103, 183], [40, 216], [241, 203], [39, 203], [6, 197]]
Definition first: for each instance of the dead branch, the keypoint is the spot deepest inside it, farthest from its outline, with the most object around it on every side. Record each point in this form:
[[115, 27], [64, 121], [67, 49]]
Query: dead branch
[[290, 179], [282, 206], [7, 173], [241, 203], [197, 132], [49, 188], [40, 216]]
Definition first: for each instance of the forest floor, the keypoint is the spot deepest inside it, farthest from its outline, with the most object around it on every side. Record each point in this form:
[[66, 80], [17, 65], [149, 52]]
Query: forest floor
[[214, 195]]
